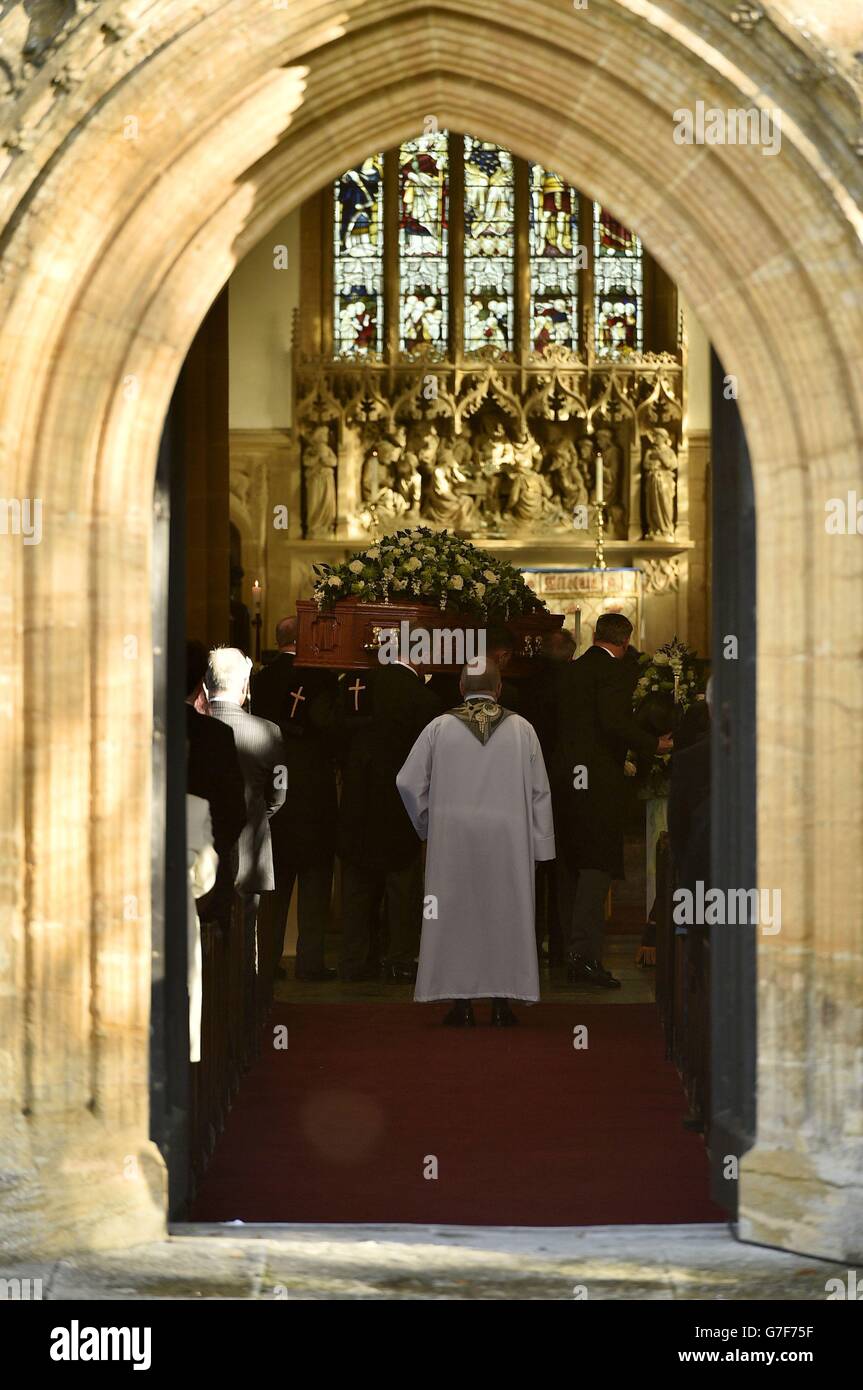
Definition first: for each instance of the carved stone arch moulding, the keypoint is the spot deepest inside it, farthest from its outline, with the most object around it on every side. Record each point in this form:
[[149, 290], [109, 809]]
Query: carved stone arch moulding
[[110, 269]]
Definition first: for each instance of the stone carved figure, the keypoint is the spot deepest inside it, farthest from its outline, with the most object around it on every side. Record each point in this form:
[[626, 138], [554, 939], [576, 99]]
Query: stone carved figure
[[530, 495], [612, 464], [319, 470], [565, 476], [660, 481], [443, 500], [494, 459], [407, 484], [379, 468], [613, 480], [390, 484], [586, 451]]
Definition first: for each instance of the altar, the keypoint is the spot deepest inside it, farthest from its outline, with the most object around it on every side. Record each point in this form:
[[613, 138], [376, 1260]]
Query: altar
[[415, 403], [582, 594]]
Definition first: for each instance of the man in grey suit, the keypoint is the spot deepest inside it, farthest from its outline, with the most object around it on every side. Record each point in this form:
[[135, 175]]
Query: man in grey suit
[[262, 761]]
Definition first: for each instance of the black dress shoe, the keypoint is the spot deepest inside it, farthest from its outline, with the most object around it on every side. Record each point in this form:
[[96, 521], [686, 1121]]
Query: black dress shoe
[[460, 1015], [395, 970], [502, 1015], [583, 970], [315, 976]]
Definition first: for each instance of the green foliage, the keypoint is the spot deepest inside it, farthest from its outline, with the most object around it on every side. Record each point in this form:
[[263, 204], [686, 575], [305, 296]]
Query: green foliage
[[673, 671], [431, 567]]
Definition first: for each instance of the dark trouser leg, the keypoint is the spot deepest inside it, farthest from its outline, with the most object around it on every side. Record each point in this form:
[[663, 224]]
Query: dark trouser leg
[[552, 915], [313, 913], [360, 891], [565, 883], [541, 900], [404, 890], [251, 965], [587, 918]]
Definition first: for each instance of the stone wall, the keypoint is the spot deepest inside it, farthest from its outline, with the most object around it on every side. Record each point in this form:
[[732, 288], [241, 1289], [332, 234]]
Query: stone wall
[[146, 149]]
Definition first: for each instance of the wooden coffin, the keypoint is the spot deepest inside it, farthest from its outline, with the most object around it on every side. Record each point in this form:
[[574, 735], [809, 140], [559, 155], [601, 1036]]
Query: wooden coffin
[[347, 636]]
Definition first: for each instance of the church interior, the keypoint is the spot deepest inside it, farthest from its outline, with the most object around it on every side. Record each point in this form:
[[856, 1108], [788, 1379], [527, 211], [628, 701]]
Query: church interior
[[452, 337], [522, 331]]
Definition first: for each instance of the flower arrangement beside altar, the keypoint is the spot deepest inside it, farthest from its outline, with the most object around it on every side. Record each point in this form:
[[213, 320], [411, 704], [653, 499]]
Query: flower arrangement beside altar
[[428, 567], [669, 684]]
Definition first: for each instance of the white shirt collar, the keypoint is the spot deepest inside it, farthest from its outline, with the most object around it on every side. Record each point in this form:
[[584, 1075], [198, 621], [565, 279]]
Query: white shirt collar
[[408, 667]]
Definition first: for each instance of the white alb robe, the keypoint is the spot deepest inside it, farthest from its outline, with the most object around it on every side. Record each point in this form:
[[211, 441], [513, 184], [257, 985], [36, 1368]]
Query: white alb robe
[[202, 863], [485, 810]]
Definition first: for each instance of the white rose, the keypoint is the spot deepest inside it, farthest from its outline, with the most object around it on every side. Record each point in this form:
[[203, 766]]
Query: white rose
[[490, 576], [373, 553], [413, 565], [479, 590], [456, 582], [356, 567], [334, 581]]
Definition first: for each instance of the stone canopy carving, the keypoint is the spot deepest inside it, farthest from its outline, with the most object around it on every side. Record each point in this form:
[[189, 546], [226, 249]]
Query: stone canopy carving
[[491, 449]]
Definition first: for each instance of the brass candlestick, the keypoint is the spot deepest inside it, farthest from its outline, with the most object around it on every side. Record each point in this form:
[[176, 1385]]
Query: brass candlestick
[[599, 553]]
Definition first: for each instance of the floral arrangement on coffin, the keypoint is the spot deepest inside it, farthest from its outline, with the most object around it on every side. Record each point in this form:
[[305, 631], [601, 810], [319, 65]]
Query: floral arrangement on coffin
[[670, 678], [431, 567]]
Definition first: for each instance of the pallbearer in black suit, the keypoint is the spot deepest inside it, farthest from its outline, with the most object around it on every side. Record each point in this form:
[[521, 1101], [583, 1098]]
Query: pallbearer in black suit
[[596, 728], [264, 768], [300, 700], [689, 806], [379, 848], [539, 707]]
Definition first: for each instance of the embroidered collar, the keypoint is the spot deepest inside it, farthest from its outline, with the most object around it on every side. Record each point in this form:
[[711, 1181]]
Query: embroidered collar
[[482, 717]]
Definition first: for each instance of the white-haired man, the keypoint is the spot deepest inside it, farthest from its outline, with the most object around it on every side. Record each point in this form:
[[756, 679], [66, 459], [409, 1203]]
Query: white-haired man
[[262, 761], [475, 786]]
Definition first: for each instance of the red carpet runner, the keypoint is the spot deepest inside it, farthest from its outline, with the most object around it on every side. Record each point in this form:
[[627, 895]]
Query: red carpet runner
[[526, 1130]]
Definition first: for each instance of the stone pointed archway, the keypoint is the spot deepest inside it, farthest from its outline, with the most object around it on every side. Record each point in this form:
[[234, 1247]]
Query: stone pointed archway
[[144, 156]]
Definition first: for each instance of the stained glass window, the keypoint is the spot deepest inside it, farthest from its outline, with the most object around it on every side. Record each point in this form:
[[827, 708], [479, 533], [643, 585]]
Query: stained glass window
[[618, 286], [423, 228], [489, 238], [555, 260], [420, 296], [358, 259]]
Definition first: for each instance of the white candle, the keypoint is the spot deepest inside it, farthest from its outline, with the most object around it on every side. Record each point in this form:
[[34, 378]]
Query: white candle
[[577, 628], [600, 480], [373, 477], [256, 595]]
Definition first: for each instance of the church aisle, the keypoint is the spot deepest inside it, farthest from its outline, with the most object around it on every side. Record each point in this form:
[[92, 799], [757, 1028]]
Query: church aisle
[[525, 1129]]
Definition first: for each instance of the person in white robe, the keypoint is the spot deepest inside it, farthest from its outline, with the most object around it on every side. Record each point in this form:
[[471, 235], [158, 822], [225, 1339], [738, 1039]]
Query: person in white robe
[[202, 864], [475, 787]]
